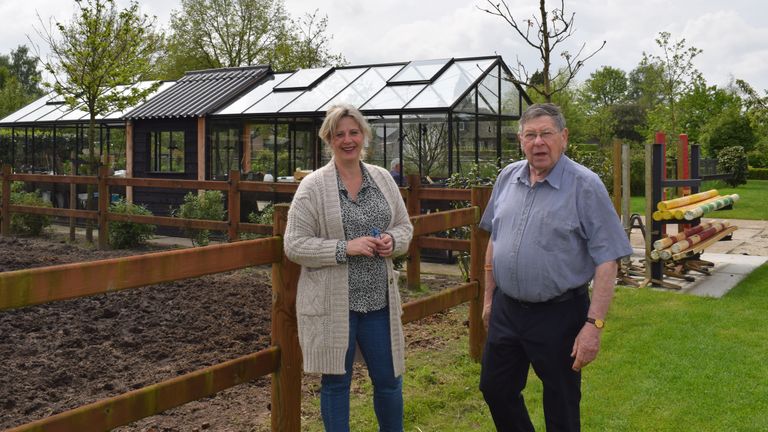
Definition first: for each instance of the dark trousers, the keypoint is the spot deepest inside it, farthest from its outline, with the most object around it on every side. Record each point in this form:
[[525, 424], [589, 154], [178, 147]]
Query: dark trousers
[[539, 335]]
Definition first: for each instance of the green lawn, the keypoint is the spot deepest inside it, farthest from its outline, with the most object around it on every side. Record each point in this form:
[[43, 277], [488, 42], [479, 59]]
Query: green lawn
[[752, 204], [669, 362]]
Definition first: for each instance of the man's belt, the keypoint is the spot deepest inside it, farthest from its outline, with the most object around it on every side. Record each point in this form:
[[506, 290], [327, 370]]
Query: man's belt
[[568, 295]]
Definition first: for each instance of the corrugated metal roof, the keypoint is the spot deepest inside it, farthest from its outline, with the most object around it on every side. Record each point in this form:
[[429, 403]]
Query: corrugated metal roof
[[200, 93]]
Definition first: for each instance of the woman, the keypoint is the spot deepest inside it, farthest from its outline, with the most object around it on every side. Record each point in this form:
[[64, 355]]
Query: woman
[[346, 222]]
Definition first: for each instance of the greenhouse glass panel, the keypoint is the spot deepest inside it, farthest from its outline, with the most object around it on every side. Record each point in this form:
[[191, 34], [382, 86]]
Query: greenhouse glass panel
[[6, 146], [425, 145], [488, 96], [451, 84], [385, 143], [242, 104], [487, 144], [303, 144], [393, 97], [284, 168], [66, 150], [510, 146], [274, 102], [364, 87], [467, 105], [421, 70], [225, 151], [43, 155], [49, 113], [21, 137], [464, 142], [510, 97], [316, 97], [262, 142], [302, 79], [21, 114]]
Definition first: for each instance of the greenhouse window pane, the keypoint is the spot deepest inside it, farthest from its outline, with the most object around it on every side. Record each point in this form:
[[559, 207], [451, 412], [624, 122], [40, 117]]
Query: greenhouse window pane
[[274, 102], [313, 99], [420, 70], [256, 94], [393, 97], [510, 97], [451, 84], [364, 87], [302, 79], [27, 110], [488, 100]]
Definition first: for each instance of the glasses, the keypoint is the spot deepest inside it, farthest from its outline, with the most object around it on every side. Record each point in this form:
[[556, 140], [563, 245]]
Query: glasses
[[545, 135]]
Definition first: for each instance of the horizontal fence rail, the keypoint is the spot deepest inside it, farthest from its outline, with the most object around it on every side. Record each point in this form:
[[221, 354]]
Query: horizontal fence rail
[[45, 284], [126, 408]]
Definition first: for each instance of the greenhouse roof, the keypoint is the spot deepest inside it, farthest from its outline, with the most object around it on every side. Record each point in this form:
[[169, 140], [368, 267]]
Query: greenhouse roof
[[415, 86], [51, 109], [408, 86], [198, 93]]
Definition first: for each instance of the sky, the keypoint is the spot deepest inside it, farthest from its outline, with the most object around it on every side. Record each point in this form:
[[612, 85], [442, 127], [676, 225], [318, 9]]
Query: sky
[[732, 34]]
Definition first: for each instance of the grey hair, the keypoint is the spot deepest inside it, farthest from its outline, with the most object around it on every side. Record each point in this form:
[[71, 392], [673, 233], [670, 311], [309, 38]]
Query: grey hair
[[543, 110], [394, 163]]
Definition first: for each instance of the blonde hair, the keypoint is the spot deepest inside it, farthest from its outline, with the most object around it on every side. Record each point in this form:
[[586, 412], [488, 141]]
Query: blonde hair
[[332, 118]]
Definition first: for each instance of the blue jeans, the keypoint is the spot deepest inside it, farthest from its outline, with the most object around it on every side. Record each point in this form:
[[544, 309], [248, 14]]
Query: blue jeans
[[371, 331]]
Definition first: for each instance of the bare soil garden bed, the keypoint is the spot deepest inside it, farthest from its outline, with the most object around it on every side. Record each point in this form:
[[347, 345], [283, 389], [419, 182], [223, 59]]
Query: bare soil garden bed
[[62, 355]]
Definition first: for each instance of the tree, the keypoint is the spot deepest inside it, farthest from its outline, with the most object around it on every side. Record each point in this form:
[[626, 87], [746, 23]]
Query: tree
[[677, 77], [545, 32], [19, 80], [24, 68], [730, 129], [307, 46], [605, 87], [210, 34], [12, 96], [601, 92], [99, 50]]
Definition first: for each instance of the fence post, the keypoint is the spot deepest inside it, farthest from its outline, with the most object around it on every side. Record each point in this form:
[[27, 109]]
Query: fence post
[[617, 175], [286, 381], [5, 212], [478, 245], [103, 207], [413, 203], [233, 205]]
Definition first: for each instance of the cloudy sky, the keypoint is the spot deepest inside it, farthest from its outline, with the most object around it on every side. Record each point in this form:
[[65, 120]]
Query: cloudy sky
[[733, 34]]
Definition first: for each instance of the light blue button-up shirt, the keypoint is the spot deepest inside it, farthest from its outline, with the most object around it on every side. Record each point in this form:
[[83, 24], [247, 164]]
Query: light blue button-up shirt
[[549, 237]]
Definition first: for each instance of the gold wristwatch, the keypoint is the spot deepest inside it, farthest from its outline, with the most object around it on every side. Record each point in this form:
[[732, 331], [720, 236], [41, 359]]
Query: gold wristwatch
[[596, 322]]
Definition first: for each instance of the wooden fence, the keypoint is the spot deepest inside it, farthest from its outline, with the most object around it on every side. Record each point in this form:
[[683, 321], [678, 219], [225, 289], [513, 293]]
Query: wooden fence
[[283, 360]]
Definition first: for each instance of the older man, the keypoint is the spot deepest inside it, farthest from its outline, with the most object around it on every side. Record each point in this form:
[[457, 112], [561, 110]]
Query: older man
[[553, 230]]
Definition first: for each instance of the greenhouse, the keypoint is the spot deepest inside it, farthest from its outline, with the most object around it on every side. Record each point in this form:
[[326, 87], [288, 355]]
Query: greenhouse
[[437, 116]]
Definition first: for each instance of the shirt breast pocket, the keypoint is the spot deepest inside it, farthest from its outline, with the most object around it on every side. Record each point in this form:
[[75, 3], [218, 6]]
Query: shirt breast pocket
[[311, 294], [555, 232]]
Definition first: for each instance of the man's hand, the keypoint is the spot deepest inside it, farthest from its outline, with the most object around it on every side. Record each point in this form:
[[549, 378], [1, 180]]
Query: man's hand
[[586, 346], [486, 314]]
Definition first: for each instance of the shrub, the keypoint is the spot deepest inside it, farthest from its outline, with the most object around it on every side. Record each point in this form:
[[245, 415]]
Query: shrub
[[758, 173], [209, 206], [123, 235], [263, 217], [25, 223], [596, 160], [733, 160]]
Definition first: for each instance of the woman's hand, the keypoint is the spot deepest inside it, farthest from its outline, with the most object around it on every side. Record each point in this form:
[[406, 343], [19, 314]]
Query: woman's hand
[[366, 246], [385, 245], [371, 246]]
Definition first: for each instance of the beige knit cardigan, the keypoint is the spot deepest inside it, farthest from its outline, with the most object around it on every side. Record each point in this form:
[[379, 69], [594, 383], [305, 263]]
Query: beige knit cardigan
[[322, 301]]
